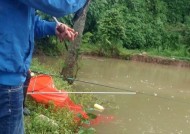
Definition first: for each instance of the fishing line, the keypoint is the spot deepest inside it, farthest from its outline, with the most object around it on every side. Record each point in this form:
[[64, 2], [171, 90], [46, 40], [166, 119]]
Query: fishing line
[[107, 86], [102, 92], [137, 92], [83, 81]]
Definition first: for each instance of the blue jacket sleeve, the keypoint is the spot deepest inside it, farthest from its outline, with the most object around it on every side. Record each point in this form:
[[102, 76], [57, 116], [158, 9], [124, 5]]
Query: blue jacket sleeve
[[56, 8], [43, 28]]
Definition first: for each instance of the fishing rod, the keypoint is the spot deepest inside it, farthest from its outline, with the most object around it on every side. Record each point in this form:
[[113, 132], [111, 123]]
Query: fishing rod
[[60, 30], [115, 93], [56, 21]]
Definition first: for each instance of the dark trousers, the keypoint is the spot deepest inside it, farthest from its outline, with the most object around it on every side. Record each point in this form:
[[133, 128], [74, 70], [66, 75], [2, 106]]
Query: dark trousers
[[11, 109], [26, 84]]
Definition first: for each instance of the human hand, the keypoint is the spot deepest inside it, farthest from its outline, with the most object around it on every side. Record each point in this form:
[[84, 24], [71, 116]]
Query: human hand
[[64, 32]]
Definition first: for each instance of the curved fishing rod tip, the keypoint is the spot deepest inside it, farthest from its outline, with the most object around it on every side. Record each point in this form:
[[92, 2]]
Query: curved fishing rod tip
[[99, 107]]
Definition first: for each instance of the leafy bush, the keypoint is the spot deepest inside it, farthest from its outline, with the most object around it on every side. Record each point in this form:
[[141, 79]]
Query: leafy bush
[[132, 24]]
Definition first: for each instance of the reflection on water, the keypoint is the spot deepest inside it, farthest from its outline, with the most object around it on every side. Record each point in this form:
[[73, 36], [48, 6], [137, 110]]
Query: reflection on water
[[161, 107]]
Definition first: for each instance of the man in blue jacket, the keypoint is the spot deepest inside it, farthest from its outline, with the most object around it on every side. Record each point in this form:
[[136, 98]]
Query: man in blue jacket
[[17, 26]]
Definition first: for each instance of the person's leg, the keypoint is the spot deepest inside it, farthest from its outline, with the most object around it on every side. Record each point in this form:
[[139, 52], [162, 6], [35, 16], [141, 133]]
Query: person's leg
[[25, 86], [11, 110], [26, 111]]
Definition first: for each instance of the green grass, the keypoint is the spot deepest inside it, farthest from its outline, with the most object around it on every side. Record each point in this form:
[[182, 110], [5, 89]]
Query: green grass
[[51, 120], [97, 50], [63, 119], [179, 54]]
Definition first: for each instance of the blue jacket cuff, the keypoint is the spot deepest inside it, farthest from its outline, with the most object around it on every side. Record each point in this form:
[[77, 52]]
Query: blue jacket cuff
[[50, 28]]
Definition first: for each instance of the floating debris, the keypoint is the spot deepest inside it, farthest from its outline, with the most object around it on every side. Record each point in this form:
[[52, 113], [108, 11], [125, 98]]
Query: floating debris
[[155, 94], [99, 107]]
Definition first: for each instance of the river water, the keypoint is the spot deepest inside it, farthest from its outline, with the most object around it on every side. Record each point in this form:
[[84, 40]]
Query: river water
[[162, 102]]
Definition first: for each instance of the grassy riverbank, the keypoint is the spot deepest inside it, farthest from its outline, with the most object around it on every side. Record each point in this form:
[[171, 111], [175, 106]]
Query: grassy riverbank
[[166, 57], [47, 120]]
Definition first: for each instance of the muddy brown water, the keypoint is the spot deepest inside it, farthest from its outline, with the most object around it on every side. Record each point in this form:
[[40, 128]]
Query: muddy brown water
[[162, 102]]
